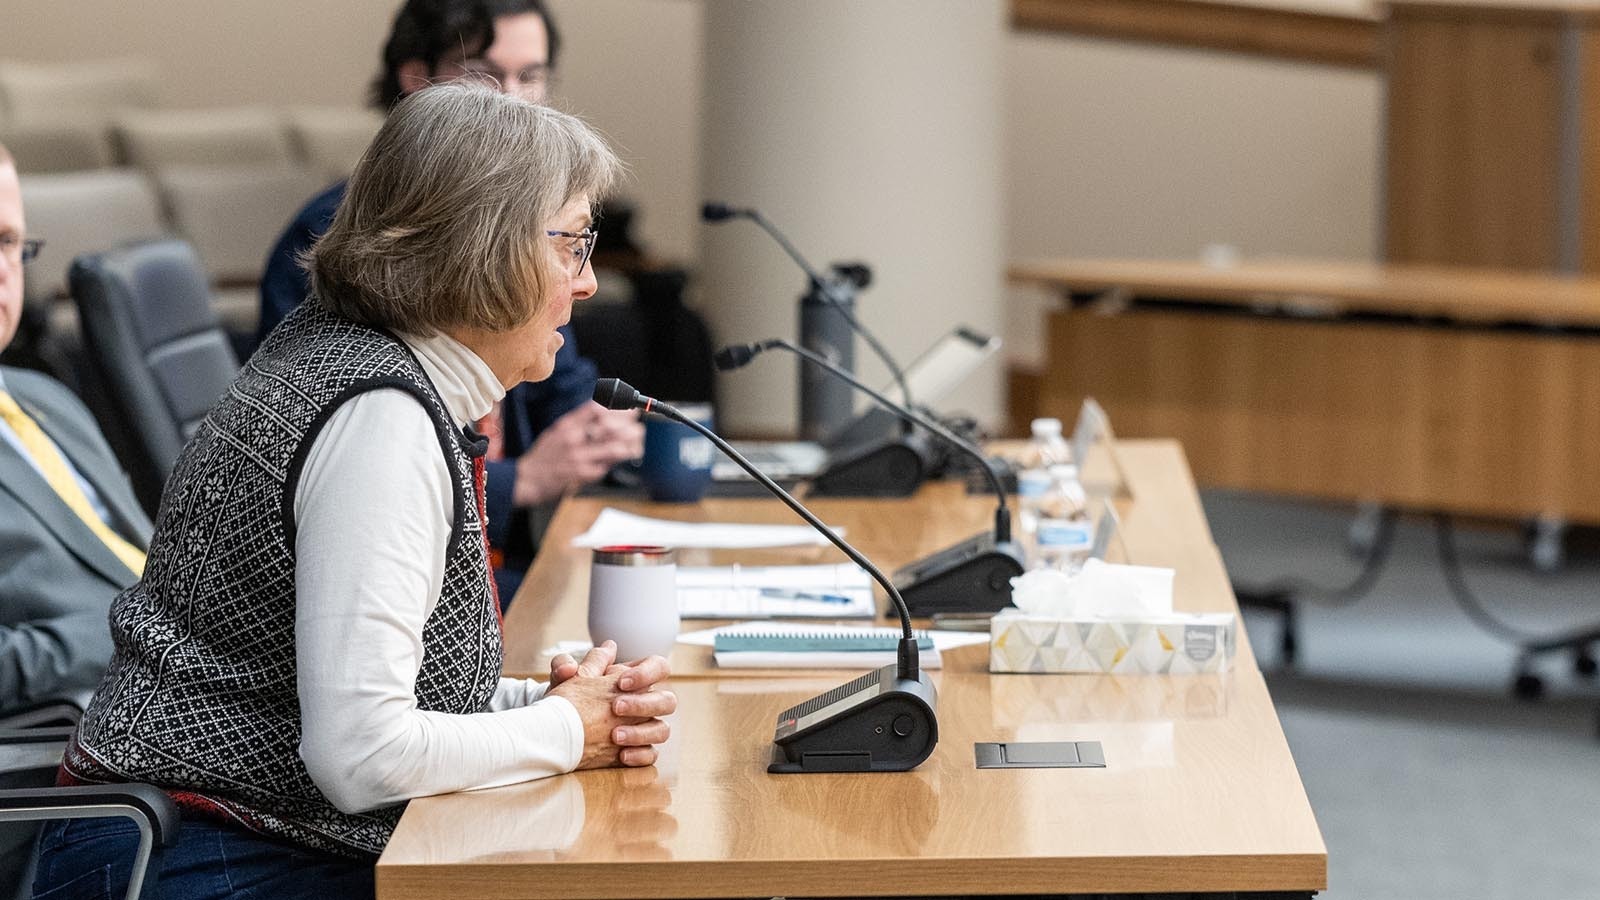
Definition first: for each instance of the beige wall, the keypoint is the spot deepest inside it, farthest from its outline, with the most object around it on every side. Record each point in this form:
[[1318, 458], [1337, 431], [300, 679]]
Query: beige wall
[[1117, 149], [875, 148], [633, 69], [1109, 148]]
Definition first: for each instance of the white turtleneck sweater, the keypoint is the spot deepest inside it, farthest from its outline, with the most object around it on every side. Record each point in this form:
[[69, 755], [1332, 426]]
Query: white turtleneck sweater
[[373, 512]]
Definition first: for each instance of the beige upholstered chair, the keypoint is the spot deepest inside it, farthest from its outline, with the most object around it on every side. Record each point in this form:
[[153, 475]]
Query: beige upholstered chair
[[56, 118], [35, 94], [60, 147], [332, 139], [85, 212], [153, 139], [233, 216]]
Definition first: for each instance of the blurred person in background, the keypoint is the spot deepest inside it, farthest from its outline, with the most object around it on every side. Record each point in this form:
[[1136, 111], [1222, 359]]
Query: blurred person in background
[[315, 640], [546, 439], [72, 534]]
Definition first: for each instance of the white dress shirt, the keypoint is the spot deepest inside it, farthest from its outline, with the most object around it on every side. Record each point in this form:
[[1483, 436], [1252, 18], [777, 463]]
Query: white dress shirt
[[373, 512]]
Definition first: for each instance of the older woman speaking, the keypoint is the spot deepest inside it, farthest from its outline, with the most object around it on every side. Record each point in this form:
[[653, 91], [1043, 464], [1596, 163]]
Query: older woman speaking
[[316, 639]]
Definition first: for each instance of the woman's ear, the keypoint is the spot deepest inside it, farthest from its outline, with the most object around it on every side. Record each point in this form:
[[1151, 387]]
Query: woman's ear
[[414, 75]]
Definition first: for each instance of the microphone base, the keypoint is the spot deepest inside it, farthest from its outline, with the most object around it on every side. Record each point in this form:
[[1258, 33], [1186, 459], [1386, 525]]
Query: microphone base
[[973, 576], [892, 468], [879, 722]]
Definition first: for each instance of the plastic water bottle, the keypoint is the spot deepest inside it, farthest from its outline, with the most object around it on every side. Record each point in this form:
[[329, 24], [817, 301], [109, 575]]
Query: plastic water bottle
[[1064, 535], [1032, 486], [1048, 448]]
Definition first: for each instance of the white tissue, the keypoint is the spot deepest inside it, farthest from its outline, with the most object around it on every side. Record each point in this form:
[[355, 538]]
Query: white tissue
[[1100, 590]]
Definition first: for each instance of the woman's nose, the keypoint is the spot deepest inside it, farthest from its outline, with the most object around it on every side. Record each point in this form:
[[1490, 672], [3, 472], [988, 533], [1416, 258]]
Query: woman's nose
[[584, 284]]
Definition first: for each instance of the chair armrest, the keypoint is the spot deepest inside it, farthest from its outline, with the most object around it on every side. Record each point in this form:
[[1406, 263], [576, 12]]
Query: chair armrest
[[42, 735], [45, 712], [140, 802], [150, 809], [32, 750]]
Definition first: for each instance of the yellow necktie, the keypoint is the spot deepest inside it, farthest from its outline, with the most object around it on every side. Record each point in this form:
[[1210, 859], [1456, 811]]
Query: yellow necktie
[[60, 479]]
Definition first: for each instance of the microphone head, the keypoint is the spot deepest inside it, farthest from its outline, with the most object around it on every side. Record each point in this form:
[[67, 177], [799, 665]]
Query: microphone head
[[735, 356], [719, 212], [614, 393]]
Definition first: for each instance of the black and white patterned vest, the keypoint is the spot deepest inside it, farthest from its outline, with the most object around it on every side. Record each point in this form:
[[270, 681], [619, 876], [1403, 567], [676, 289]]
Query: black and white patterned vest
[[200, 697]]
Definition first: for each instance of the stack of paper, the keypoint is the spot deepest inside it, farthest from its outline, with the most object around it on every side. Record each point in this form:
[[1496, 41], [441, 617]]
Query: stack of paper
[[613, 526]]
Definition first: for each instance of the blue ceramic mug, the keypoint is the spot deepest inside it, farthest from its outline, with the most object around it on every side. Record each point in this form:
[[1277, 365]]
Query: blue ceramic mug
[[677, 459]]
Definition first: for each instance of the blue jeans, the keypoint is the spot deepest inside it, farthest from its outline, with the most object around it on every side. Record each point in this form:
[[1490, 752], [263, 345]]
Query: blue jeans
[[92, 859]]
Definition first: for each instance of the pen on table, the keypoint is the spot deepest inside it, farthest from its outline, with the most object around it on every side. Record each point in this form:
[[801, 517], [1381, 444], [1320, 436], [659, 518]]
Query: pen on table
[[787, 594]]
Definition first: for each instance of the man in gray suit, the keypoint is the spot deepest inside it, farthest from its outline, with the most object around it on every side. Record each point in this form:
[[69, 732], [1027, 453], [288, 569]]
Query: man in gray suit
[[71, 533]]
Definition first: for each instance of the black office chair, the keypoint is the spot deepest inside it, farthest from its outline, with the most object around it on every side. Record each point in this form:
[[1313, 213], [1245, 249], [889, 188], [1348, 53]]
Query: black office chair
[[29, 758], [157, 352]]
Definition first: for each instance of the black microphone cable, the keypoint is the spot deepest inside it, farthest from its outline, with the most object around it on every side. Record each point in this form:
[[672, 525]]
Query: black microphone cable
[[738, 355]]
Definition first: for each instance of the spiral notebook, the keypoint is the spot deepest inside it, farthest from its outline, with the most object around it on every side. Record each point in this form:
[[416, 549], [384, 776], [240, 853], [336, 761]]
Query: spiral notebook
[[816, 647]]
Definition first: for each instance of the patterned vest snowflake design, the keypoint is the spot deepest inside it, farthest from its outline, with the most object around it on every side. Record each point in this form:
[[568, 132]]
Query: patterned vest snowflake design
[[200, 698]]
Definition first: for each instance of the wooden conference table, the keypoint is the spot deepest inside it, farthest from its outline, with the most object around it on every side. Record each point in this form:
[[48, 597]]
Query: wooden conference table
[[1200, 792], [1426, 387]]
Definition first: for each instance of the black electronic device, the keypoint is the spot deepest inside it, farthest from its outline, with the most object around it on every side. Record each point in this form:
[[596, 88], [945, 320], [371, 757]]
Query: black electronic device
[[877, 723], [891, 467], [969, 578], [973, 576], [886, 466], [884, 721]]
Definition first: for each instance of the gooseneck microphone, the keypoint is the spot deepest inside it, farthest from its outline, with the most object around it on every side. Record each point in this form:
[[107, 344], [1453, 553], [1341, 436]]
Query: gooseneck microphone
[[736, 356], [973, 576], [883, 721], [721, 212]]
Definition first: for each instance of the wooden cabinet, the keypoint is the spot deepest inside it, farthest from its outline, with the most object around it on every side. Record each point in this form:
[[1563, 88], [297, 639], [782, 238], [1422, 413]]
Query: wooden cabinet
[[1493, 124]]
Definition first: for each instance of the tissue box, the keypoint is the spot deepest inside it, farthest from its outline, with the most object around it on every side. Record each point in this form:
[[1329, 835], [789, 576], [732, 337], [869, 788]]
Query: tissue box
[[1168, 644]]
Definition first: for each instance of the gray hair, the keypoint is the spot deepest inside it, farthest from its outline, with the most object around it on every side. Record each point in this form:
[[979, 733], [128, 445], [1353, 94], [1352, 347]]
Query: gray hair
[[443, 223]]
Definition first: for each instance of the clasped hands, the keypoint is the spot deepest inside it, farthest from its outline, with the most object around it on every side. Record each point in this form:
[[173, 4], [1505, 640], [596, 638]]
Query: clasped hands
[[621, 705]]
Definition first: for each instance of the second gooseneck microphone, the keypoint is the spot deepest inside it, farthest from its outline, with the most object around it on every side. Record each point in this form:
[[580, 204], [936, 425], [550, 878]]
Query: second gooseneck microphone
[[882, 722], [971, 577], [736, 356]]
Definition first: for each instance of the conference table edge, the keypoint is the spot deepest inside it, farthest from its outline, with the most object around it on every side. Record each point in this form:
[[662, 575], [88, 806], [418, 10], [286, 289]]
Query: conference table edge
[[1222, 873]]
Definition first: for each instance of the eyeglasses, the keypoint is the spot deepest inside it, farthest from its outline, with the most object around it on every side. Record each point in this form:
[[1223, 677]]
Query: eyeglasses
[[530, 81], [580, 247], [25, 251]]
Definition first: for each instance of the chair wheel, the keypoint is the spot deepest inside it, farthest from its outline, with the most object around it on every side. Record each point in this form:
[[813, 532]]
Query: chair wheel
[[1584, 664], [1528, 686]]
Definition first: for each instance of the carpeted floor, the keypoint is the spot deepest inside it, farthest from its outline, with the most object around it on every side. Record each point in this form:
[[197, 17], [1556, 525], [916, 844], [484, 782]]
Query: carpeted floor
[[1429, 780]]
